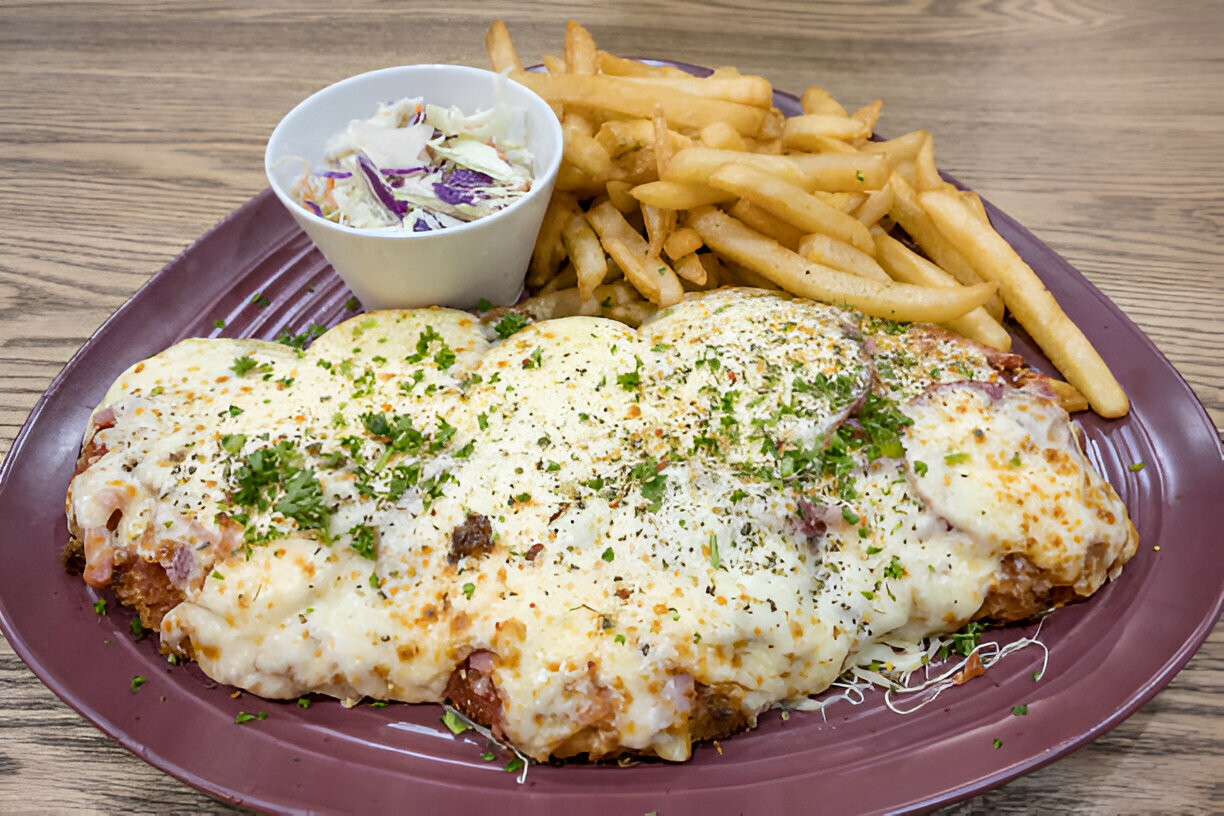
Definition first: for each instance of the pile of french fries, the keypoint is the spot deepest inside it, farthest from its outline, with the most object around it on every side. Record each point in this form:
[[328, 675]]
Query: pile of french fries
[[672, 183]]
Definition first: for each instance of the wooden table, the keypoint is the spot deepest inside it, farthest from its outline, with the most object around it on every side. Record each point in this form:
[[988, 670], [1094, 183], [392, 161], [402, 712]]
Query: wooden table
[[127, 129]]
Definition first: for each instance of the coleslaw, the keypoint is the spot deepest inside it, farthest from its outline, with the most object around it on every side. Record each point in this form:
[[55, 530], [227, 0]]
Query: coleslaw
[[420, 167]]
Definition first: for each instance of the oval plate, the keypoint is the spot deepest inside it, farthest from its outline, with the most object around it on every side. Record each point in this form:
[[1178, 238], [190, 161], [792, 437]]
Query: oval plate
[[1137, 632]]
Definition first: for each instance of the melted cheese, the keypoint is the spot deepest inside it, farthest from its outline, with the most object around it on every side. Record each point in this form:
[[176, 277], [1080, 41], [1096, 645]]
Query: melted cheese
[[664, 503]]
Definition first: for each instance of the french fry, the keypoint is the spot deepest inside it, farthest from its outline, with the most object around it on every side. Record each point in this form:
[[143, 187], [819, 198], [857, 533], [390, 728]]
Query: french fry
[[682, 242], [1069, 397], [663, 147], [740, 275], [659, 224], [902, 148], [548, 252], [926, 175], [620, 136], [613, 65], [618, 193], [696, 164], [633, 313], [908, 267], [868, 115], [817, 100], [766, 223], [907, 211], [690, 268], [839, 255], [746, 90], [628, 96], [502, 56], [894, 301], [639, 166], [588, 155], [1029, 300], [821, 144], [877, 205], [721, 136], [846, 202], [674, 195], [565, 278], [586, 254], [792, 204], [569, 302], [837, 172], [811, 130], [653, 278], [580, 51]]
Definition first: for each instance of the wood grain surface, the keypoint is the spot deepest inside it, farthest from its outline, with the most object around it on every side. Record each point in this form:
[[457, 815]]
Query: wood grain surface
[[129, 128]]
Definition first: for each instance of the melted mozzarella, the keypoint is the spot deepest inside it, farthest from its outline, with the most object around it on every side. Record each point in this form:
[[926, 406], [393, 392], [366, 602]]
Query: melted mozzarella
[[659, 513]]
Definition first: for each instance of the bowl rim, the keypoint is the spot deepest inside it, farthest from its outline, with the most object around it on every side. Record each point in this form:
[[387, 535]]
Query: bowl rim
[[538, 181]]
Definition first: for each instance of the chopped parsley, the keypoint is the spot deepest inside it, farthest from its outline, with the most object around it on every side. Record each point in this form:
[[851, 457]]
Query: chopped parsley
[[137, 682], [244, 717], [511, 323], [454, 722], [1019, 710]]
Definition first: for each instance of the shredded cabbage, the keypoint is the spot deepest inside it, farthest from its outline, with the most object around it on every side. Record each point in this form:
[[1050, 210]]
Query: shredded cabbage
[[420, 167]]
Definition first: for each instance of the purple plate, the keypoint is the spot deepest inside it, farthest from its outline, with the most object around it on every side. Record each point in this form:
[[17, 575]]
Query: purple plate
[[1107, 656]]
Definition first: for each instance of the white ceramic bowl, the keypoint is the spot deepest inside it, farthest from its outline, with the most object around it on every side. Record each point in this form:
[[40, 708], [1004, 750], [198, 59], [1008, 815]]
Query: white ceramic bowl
[[391, 268]]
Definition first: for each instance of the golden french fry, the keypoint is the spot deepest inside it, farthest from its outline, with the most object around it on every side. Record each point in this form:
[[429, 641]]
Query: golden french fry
[[868, 115], [846, 202], [1069, 397], [877, 205], [820, 144], [895, 301], [613, 65], [553, 64], [586, 254], [673, 195], [770, 133], [907, 211], [565, 278], [1029, 300], [841, 172], [909, 267], [690, 269], [903, 148], [792, 204], [721, 136], [659, 224], [580, 57], [813, 130], [662, 141], [548, 252], [587, 154], [639, 166], [766, 223], [628, 96], [571, 179], [817, 100], [653, 278], [569, 302], [620, 136], [502, 56], [926, 175], [694, 165], [743, 276], [839, 255], [746, 90], [618, 193], [681, 242]]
